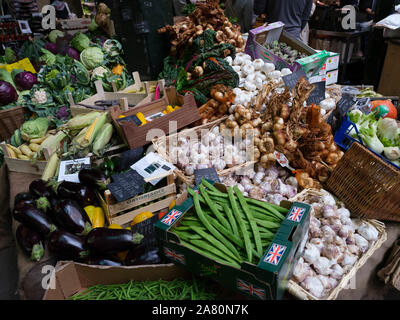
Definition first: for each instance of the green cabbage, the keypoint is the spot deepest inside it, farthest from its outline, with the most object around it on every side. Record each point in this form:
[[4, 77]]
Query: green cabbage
[[80, 42], [47, 57], [54, 34], [9, 55], [34, 129], [92, 57]]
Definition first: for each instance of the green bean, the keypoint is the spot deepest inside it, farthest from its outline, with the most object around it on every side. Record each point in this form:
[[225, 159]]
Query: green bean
[[210, 255], [206, 246], [216, 212], [267, 224], [197, 222], [181, 228], [209, 186], [241, 224], [231, 219], [203, 218], [221, 246], [253, 224], [226, 232], [273, 208]]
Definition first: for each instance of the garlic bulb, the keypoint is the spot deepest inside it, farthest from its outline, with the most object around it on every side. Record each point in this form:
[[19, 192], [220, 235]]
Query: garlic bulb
[[285, 72], [368, 232], [311, 253], [257, 64], [267, 68], [321, 265], [314, 286]]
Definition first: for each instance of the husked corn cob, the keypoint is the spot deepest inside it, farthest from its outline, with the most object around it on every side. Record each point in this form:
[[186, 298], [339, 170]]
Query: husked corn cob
[[78, 139], [51, 167], [15, 149], [102, 138], [11, 152], [38, 140], [82, 120], [94, 129], [25, 150], [23, 157], [52, 142], [34, 147]]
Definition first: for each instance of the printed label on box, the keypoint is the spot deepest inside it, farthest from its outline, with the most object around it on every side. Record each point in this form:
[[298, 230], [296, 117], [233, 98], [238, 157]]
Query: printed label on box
[[275, 254]]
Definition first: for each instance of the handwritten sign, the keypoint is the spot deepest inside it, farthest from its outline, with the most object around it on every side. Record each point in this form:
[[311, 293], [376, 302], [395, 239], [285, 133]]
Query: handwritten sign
[[291, 80], [207, 173], [318, 94], [126, 185]]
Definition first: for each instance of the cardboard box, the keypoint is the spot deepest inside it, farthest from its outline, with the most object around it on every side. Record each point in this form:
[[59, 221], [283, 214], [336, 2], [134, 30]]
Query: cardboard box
[[332, 63], [265, 281], [269, 33], [72, 277], [330, 77]]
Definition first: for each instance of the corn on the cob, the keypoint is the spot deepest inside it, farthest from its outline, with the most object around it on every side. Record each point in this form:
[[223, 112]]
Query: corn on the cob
[[34, 147], [52, 142], [23, 157], [82, 120], [25, 150], [11, 152], [94, 130], [15, 149], [102, 138], [51, 167], [78, 139], [38, 140]]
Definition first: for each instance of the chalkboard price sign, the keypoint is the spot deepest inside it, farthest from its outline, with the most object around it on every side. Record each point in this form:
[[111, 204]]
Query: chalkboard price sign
[[130, 157], [318, 94], [207, 173], [291, 79], [126, 185]]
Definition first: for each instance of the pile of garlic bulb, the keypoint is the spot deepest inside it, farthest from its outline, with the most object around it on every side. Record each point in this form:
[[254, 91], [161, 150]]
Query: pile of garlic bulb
[[272, 185], [335, 243], [253, 75], [207, 151]]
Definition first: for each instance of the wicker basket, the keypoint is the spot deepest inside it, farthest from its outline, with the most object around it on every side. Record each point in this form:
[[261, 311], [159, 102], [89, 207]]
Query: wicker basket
[[368, 185], [296, 290], [160, 145], [10, 120]]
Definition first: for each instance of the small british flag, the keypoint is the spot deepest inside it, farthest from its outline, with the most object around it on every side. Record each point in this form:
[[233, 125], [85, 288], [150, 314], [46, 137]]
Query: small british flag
[[171, 217], [275, 254], [174, 255], [296, 214], [250, 289]]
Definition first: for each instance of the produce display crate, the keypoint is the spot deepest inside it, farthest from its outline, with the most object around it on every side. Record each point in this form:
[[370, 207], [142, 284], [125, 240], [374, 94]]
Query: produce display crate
[[269, 33], [265, 281], [367, 185], [136, 136], [72, 277], [10, 120], [123, 212], [345, 141], [73, 26], [160, 145], [299, 292], [133, 99]]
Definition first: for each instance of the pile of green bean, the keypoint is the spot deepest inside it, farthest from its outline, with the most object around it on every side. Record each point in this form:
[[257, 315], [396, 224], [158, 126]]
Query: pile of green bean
[[227, 227], [177, 289]]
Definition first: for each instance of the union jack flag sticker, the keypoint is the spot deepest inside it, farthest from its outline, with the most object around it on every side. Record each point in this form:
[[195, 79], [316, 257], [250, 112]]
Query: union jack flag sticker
[[275, 254], [174, 255], [171, 217], [296, 214], [250, 289]]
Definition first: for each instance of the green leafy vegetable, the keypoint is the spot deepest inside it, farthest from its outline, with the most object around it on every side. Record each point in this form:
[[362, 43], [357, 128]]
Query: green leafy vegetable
[[80, 42], [34, 129], [92, 57]]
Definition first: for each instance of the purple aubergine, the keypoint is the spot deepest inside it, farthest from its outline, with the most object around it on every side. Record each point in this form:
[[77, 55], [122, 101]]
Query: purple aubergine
[[41, 192], [104, 261], [110, 241], [141, 255], [31, 242], [93, 178], [67, 245], [23, 196], [34, 219], [76, 191], [70, 216]]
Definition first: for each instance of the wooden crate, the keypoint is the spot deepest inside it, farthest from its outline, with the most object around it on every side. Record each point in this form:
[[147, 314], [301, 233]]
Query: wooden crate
[[10, 120], [136, 136], [123, 212]]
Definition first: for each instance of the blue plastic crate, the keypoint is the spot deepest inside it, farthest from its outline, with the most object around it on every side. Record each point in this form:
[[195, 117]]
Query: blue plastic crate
[[343, 139]]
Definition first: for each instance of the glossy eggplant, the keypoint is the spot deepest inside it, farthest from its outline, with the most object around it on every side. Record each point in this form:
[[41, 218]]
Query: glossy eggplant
[[67, 245], [109, 241], [107, 260], [94, 178], [33, 218], [76, 191], [41, 192], [31, 242], [22, 203], [22, 196], [141, 255], [70, 216]]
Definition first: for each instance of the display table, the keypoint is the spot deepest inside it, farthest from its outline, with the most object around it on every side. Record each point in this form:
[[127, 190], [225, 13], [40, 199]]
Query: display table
[[348, 38]]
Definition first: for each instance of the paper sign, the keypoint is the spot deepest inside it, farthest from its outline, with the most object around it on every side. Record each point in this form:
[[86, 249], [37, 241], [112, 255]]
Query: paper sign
[[69, 169], [283, 161], [318, 94], [126, 185], [207, 173], [152, 166], [291, 79]]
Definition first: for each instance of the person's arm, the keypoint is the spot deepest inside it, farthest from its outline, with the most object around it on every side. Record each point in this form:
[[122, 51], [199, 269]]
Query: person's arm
[[306, 13], [260, 6], [247, 15]]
